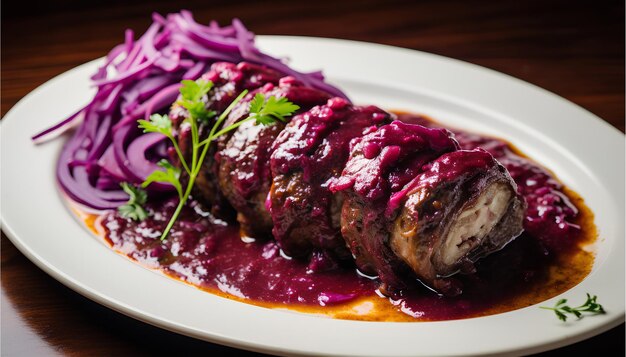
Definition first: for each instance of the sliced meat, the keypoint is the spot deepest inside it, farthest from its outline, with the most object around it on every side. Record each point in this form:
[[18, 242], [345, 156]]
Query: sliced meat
[[244, 170], [460, 209], [415, 202], [550, 215], [307, 155]]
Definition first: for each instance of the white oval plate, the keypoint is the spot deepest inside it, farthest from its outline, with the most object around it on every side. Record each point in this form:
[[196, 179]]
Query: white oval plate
[[586, 153]]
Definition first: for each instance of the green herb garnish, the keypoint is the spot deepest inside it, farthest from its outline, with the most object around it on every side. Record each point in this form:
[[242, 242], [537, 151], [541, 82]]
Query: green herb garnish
[[264, 110], [133, 209], [192, 93], [590, 306], [170, 175]]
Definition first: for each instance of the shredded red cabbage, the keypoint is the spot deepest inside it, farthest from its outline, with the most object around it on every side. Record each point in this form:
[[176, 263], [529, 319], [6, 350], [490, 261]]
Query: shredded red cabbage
[[139, 78]]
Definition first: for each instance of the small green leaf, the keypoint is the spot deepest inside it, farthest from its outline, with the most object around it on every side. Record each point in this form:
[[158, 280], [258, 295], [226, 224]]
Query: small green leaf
[[257, 103], [133, 208], [188, 89], [265, 119], [171, 175], [156, 176], [158, 124], [280, 107], [193, 91], [198, 111], [267, 110]]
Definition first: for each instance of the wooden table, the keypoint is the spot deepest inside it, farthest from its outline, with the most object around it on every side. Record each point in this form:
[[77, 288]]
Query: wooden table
[[572, 48]]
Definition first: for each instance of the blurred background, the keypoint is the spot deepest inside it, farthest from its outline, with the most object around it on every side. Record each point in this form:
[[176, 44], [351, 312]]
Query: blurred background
[[572, 48]]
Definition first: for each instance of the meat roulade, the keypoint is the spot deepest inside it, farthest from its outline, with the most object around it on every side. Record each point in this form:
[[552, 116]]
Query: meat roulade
[[413, 199], [401, 199]]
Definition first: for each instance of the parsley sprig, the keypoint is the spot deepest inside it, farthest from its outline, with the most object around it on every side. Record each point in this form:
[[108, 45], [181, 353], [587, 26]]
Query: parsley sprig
[[133, 209], [264, 110], [590, 306]]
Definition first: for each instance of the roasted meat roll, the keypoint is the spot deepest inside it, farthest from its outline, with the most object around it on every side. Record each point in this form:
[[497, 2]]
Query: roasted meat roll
[[243, 161], [307, 155], [229, 80], [415, 202], [345, 181]]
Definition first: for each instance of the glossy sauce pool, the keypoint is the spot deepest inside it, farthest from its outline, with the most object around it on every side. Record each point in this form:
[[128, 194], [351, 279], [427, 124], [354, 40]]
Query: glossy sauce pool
[[210, 254]]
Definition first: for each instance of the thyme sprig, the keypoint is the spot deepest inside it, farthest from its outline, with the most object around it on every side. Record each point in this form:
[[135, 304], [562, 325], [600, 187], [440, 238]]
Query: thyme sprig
[[591, 306]]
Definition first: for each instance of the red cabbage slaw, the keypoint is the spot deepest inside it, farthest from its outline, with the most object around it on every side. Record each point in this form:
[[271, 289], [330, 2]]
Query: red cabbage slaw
[[137, 79]]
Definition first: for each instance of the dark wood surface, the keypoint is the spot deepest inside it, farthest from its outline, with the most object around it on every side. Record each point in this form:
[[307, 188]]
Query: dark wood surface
[[572, 48]]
